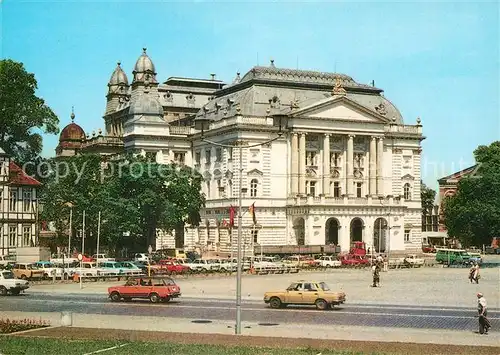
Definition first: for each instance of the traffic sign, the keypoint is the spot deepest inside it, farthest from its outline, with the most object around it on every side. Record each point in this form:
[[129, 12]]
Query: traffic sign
[[80, 257]]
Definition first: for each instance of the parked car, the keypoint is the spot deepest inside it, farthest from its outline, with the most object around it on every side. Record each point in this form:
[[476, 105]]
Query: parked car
[[452, 256], [27, 271], [412, 260], [328, 261], [475, 258], [49, 269], [141, 257], [7, 259], [102, 257], [305, 293], [9, 283], [152, 288]]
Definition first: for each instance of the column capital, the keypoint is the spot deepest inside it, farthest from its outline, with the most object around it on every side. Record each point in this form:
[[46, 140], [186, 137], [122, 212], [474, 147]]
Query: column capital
[[381, 138], [351, 136], [293, 133], [374, 138], [328, 135]]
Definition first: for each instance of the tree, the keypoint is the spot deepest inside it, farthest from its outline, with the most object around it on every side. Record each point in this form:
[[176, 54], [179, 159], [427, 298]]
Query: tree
[[134, 195], [427, 196], [473, 213], [23, 115]]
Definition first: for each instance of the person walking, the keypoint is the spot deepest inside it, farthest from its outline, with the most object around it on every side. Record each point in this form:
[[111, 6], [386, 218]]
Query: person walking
[[482, 309], [475, 274], [376, 274]]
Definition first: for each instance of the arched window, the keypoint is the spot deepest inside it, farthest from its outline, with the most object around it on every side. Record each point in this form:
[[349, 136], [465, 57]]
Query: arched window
[[253, 187], [407, 191]]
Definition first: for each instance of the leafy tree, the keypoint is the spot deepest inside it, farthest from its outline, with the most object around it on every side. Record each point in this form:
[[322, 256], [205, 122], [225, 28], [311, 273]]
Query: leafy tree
[[74, 181], [428, 196], [23, 115], [134, 195], [473, 214]]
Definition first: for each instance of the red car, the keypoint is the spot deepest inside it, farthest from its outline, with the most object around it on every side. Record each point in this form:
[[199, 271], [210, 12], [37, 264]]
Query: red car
[[154, 289], [350, 260]]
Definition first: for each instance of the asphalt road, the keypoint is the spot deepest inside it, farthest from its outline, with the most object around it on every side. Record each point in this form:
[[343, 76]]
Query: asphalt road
[[256, 312]]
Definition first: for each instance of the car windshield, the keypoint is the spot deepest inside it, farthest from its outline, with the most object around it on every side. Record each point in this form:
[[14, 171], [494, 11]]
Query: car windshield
[[169, 282], [324, 286], [8, 275]]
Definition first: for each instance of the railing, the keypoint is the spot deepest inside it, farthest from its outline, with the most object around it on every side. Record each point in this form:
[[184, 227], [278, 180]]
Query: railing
[[181, 130], [405, 129], [103, 140], [343, 201]]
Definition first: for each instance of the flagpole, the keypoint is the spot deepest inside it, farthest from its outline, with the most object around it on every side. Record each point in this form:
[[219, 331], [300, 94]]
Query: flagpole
[[240, 230]]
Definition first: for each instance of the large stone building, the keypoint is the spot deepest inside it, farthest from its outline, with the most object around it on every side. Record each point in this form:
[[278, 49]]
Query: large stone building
[[18, 207], [346, 168]]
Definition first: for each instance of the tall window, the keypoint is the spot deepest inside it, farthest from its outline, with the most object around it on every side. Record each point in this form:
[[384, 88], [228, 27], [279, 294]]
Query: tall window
[[255, 236], [359, 189], [208, 188], [27, 201], [311, 188], [27, 236], [208, 156], [230, 188], [335, 159], [218, 154], [407, 235], [312, 158], [229, 152], [407, 191], [180, 157], [12, 236], [220, 189], [336, 189], [198, 158], [253, 187], [13, 200]]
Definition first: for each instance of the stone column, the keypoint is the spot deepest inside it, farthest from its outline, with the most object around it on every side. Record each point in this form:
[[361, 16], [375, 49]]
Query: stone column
[[380, 162], [295, 164], [350, 161], [302, 164], [373, 166], [326, 165]]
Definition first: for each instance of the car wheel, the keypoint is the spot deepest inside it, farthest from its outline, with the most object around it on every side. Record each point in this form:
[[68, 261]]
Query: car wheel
[[23, 277], [3, 291], [154, 298], [275, 302], [166, 299], [321, 304], [15, 292], [115, 296]]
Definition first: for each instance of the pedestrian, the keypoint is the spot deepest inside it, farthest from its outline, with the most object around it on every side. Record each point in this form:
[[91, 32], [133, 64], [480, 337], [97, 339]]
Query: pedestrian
[[376, 274], [484, 323], [475, 275]]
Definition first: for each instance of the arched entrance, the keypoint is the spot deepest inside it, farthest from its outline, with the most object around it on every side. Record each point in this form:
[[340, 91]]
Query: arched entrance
[[379, 235], [356, 230], [332, 227], [299, 230]]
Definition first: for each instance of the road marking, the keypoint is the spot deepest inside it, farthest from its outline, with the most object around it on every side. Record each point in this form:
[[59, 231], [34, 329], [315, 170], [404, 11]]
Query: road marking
[[127, 304], [107, 349]]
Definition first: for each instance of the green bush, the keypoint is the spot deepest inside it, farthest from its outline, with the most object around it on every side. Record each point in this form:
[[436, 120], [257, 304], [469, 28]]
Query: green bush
[[8, 326]]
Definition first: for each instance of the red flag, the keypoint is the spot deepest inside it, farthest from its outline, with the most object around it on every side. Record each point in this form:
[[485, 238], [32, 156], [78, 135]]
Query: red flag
[[231, 216]]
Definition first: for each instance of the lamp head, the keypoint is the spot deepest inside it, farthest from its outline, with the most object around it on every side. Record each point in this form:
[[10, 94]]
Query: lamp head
[[280, 121], [201, 124]]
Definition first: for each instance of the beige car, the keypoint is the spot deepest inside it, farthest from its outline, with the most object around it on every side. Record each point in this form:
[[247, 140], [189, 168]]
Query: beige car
[[27, 271], [305, 293]]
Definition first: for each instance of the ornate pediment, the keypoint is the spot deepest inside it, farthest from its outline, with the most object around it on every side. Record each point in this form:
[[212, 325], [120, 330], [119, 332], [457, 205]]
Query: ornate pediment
[[358, 174], [228, 174], [342, 108], [255, 172], [334, 173], [310, 172], [217, 174], [407, 177]]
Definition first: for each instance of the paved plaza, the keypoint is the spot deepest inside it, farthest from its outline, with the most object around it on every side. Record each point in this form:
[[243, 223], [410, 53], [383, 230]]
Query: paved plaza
[[445, 287]]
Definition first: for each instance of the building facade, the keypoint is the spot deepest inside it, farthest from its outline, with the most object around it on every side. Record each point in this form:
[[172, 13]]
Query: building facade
[[345, 168], [18, 207]]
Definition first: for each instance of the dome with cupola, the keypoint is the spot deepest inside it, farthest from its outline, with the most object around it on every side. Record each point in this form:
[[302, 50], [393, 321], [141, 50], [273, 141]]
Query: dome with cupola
[[144, 69]]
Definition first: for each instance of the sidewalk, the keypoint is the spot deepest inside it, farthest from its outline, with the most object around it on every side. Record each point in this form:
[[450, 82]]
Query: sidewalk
[[350, 333], [425, 287]]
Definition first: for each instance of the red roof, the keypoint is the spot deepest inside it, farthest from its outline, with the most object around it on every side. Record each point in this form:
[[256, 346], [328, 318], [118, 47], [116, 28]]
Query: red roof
[[19, 177]]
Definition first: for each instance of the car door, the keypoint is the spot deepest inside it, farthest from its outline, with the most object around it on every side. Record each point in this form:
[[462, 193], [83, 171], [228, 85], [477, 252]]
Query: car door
[[310, 294], [294, 295]]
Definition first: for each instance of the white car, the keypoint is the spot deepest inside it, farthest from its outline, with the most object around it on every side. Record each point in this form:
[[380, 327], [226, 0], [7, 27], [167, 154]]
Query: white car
[[141, 257], [102, 257], [9, 283], [328, 261]]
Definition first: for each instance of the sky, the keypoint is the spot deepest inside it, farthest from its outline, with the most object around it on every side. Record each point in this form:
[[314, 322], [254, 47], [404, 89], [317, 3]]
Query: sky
[[435, 60]]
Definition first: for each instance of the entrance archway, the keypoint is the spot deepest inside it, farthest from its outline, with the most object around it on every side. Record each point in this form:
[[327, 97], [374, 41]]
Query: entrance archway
[[356, 230], [379, 235], [299, 230], [332, 227]]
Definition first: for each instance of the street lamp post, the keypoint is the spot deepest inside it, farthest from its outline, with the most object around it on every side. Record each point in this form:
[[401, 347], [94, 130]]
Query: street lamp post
[[203, 124]]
